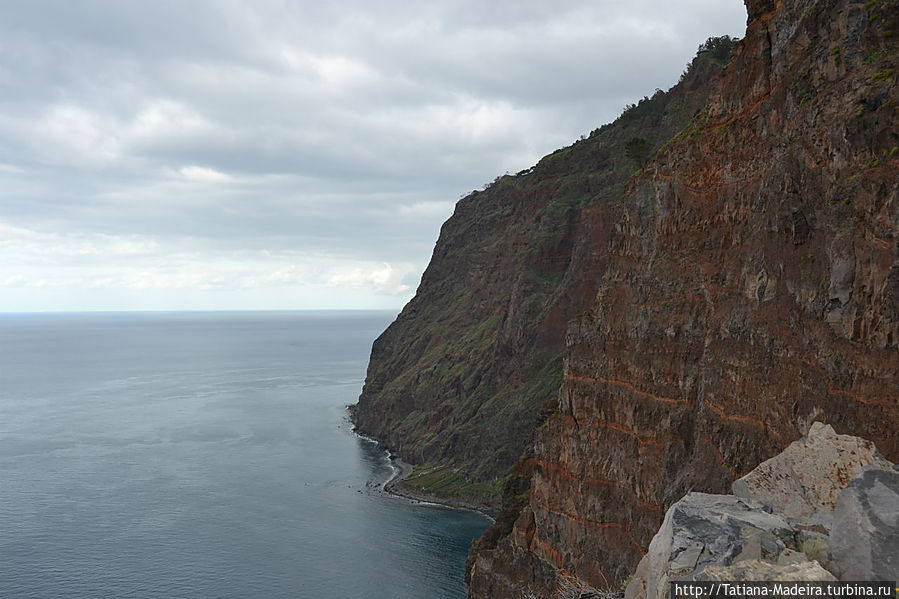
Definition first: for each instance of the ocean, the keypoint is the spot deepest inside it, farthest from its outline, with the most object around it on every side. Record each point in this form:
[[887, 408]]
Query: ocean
[[205, 455]]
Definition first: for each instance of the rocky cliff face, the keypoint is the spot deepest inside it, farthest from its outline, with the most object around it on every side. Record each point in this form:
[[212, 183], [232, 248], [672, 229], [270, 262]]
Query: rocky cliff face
[[707, 308], [749, 287], [473, 363]]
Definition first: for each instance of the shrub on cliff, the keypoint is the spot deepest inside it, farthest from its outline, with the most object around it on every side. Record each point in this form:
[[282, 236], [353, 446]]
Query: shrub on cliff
[[637, 149], [715, 50], [718, 48]]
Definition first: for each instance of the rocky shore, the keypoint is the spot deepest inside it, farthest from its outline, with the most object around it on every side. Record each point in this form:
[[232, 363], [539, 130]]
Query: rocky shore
[[402, 471]]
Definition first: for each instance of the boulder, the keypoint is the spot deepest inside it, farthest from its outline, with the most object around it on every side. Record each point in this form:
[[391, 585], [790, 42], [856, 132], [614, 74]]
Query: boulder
[[703, 530], [828, 500], [864, 540], [803, 482], [756, 570]]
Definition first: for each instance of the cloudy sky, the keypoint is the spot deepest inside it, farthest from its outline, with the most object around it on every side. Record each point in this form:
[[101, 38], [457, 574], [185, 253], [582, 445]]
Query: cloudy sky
[[276, 154]]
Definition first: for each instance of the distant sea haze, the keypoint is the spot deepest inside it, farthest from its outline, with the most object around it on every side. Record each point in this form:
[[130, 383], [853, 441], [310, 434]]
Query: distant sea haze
[[204, 455]]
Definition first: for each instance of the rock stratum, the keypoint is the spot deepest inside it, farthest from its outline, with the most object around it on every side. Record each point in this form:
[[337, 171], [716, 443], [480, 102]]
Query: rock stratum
[[616, 338], [473, 364]]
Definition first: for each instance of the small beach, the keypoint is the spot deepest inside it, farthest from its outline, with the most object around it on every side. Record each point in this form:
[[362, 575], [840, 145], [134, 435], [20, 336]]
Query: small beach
[[401, 470]]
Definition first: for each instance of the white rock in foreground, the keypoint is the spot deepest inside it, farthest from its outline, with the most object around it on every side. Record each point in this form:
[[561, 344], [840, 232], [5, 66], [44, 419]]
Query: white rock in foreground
[[755, 570], [829, 494], [803, 482]]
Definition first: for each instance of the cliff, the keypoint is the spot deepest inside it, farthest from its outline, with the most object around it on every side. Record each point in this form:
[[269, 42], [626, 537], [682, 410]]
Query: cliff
[[458, 383], [708, 308], [752, 287]]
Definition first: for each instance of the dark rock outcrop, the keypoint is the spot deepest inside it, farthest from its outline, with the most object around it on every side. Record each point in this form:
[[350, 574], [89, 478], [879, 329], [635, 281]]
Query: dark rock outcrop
[[865, 534], [703, 530]]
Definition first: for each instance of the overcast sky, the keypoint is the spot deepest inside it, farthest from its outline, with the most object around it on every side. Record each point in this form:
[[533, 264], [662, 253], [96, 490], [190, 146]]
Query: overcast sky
[[269, 154]]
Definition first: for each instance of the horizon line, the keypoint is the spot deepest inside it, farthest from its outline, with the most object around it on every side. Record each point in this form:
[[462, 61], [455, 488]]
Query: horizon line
[[198, 311]]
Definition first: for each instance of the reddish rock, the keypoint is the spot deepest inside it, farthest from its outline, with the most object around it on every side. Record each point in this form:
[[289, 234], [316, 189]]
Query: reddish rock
[[750, 290], [474, 362]]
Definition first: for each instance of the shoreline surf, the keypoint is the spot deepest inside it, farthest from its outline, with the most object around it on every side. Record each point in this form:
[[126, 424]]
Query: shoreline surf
[[402, 470]]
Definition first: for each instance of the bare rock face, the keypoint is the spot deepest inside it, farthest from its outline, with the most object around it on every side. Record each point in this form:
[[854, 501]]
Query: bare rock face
[[699, 315], [749, 292], [702, 530], [780, 528], [803, 482], [757, 9], [755, 570], [473, 364], [865, 535]]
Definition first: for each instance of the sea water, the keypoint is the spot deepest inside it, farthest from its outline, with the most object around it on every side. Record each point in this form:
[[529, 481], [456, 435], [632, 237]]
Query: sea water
[[204, 455]]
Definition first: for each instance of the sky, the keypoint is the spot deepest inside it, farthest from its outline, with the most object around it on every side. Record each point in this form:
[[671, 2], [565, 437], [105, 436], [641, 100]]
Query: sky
[[278, 155]]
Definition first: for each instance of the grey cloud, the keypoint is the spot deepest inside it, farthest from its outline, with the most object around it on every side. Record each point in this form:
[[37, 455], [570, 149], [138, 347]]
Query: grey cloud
[[345, 128]]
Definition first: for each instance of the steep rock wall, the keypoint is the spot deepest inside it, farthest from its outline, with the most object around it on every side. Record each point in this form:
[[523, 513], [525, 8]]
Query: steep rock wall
[[474, 362], [751, 288]]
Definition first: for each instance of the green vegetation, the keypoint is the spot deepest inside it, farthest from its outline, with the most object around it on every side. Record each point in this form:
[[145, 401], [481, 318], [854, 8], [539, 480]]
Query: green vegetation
[[648, 107], [570, 194], [446, 481], [876, 55], [718, 49], [694, 128], [637, 150], [883, 75], [549, 378]]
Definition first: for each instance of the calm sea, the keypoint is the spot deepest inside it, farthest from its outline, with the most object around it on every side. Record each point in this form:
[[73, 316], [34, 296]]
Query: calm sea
[[204, 455]]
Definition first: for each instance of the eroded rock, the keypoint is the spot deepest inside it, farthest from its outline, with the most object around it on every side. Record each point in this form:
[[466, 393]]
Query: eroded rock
[[864, 540], [803, 483], [754, 570], [703, 530]]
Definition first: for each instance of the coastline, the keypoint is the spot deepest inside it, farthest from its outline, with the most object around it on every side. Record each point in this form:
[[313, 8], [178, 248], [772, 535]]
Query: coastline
[[402, 470]]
